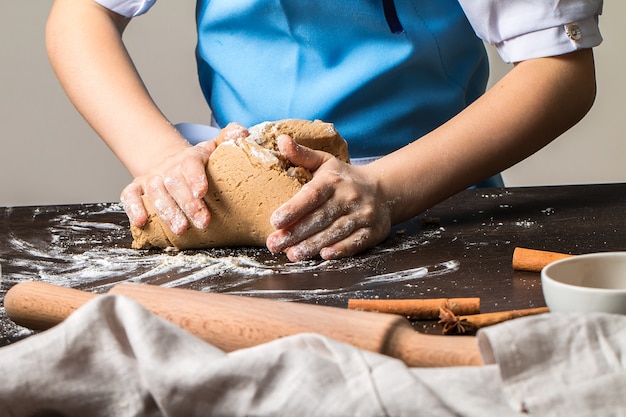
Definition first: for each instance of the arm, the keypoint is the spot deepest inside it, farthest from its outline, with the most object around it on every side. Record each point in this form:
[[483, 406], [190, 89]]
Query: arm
[[347, 209], [532, 105], [85, 47]]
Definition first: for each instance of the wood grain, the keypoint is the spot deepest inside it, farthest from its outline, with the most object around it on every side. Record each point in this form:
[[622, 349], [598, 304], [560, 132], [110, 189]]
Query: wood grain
[[234, 322]]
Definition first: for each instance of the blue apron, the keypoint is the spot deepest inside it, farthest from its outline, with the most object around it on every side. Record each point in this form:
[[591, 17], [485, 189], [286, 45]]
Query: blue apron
[[384, 72]]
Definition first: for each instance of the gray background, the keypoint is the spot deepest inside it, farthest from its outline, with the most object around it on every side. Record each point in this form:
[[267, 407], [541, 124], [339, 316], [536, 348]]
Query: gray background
[[50, 155]]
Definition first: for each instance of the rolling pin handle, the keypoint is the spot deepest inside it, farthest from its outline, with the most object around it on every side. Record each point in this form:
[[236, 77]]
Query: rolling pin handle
[[39, 306]]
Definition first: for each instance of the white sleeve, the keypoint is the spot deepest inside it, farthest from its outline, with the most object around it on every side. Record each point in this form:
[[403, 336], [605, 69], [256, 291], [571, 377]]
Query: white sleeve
[[127, 8], [525, 29]]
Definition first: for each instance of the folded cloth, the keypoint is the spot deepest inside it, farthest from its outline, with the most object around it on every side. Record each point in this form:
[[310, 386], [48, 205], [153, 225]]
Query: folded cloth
[[113, 358], [561, 364]]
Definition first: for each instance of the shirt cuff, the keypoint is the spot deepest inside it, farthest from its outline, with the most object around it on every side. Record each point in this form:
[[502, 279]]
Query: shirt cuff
[[127, 8], [551, 41]]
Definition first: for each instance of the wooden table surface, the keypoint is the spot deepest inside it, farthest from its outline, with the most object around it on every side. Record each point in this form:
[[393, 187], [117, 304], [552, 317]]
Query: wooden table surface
[[460, 248]]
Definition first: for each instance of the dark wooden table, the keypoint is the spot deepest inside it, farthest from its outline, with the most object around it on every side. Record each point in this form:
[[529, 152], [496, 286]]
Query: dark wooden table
[[463, 250]]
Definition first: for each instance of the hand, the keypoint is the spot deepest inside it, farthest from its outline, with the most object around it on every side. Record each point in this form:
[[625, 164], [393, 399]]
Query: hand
[[175, 188], [340, 212]]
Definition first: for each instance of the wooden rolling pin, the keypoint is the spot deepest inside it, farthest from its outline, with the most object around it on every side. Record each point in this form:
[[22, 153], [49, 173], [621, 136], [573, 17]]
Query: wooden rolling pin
[[535, 260], [233, 322]]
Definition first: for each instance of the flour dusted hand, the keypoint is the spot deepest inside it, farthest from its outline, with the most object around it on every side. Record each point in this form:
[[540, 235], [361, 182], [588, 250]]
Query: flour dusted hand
[[340, 212], [247, 179], [175, 188]]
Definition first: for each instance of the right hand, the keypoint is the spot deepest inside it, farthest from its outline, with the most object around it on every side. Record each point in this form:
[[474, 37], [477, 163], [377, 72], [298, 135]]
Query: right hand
[[176, 186], [340, 212]]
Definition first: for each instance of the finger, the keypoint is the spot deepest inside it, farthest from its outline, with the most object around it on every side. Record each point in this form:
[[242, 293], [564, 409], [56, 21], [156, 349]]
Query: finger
[[312, 246], [193, 208], [311, 196], [206, 147], [301, 155], [165, 206], [358, 241], [349, 234], [194, 169], [188, 184], [370, 230], [304, 228], [133, 204], [308, 237]]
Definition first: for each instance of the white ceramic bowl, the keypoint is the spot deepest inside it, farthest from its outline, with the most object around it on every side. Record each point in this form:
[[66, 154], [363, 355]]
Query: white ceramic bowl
[[593, 282]]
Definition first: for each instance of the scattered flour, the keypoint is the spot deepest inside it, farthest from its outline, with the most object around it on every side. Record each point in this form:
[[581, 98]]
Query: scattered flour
[[87, 250], [90, 249], [525, 223]]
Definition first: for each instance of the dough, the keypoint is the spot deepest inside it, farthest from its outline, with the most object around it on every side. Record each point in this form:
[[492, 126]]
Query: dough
[[248, 180]]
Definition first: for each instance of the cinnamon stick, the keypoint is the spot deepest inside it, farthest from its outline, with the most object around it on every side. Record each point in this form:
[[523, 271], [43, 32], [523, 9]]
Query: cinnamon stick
[[535, 260], [454, 324], [417, 308]]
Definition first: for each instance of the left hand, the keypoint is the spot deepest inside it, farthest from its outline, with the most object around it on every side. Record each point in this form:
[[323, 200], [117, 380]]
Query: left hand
[[340, 212]]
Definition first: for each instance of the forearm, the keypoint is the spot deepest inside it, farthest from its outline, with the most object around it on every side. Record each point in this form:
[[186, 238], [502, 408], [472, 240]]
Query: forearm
[[532, 105], [86, 51]]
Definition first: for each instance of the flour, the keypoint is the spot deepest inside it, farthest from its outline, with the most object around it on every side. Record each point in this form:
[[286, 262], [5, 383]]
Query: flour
[[496, 194], [525, 223], [85, 251], [263, 156], [89, 249]]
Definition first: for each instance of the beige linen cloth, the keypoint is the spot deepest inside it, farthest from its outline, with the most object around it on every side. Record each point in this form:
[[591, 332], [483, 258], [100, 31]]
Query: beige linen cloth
[[113, 358]]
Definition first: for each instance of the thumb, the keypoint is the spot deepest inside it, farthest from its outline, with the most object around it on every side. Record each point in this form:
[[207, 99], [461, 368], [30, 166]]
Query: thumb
[[301, 155]]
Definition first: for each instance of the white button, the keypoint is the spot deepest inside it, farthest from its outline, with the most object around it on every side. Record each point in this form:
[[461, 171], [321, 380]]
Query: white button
[[573, 32]]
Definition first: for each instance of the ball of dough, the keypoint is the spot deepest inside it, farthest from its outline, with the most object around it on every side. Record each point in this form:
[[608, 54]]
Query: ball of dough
[[248, 180]]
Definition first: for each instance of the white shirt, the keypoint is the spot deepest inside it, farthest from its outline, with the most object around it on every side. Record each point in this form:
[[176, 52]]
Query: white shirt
[[519, 30]]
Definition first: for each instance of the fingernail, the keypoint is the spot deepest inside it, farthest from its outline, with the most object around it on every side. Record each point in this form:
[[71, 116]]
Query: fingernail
[[199, 188], [329, 253], [136, 212], [179, 224], [201, 220], [279, 219], [277, 243], [295, 254], [301, 252]]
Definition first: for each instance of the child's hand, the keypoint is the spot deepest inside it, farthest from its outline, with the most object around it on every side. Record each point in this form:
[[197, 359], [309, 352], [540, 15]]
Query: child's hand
[[340, 212], [175, 188], [177, 185]]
